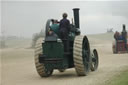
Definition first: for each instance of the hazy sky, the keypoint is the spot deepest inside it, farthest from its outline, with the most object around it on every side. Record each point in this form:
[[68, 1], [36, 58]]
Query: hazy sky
[[23, 18]]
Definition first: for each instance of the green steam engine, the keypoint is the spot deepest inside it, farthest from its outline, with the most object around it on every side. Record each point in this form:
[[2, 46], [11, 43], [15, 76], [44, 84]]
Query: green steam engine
[[50, 54]]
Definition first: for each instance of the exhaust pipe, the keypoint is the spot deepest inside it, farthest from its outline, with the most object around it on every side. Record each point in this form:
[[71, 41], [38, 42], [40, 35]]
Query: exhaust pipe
[[76, 17]]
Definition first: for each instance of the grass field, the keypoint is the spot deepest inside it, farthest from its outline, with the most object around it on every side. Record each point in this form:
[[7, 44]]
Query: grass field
[[121, 79]]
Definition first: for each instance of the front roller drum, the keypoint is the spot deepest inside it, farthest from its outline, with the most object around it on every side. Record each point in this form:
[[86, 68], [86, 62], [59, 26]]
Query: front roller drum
[[94, 60]]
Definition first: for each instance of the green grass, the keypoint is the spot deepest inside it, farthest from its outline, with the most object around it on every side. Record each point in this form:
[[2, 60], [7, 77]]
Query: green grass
[[121, 79]]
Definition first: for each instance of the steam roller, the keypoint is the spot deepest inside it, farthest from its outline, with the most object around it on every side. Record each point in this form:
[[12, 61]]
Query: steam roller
[[50, 54]]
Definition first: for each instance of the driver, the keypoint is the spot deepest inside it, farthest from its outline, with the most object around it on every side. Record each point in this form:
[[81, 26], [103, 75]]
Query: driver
[[124, 35], [64, 28]]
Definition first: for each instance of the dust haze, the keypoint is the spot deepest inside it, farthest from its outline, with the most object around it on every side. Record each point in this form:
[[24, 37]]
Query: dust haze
[[24, 18]]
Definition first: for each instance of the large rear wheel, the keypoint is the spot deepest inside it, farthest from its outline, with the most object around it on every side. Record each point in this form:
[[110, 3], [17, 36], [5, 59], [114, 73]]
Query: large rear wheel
[[40, 67], [81, 54]]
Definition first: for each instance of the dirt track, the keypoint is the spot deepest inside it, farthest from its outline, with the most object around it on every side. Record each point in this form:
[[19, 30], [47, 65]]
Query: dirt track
[[18, 68]]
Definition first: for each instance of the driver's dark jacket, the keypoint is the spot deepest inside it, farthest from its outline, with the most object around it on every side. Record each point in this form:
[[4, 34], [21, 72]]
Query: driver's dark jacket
[[64, 25]]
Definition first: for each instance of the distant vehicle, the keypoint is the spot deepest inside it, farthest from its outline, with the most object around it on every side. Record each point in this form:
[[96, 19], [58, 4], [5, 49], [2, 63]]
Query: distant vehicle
[[118, 46], [110, 30]]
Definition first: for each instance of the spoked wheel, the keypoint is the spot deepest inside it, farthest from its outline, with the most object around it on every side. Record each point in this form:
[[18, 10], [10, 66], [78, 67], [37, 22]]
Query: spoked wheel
[[41, 69], [86, 54], [95, 60], [81, 54]]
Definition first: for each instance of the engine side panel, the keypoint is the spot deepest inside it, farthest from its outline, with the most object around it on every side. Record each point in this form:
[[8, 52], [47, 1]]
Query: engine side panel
[[53, 54]]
